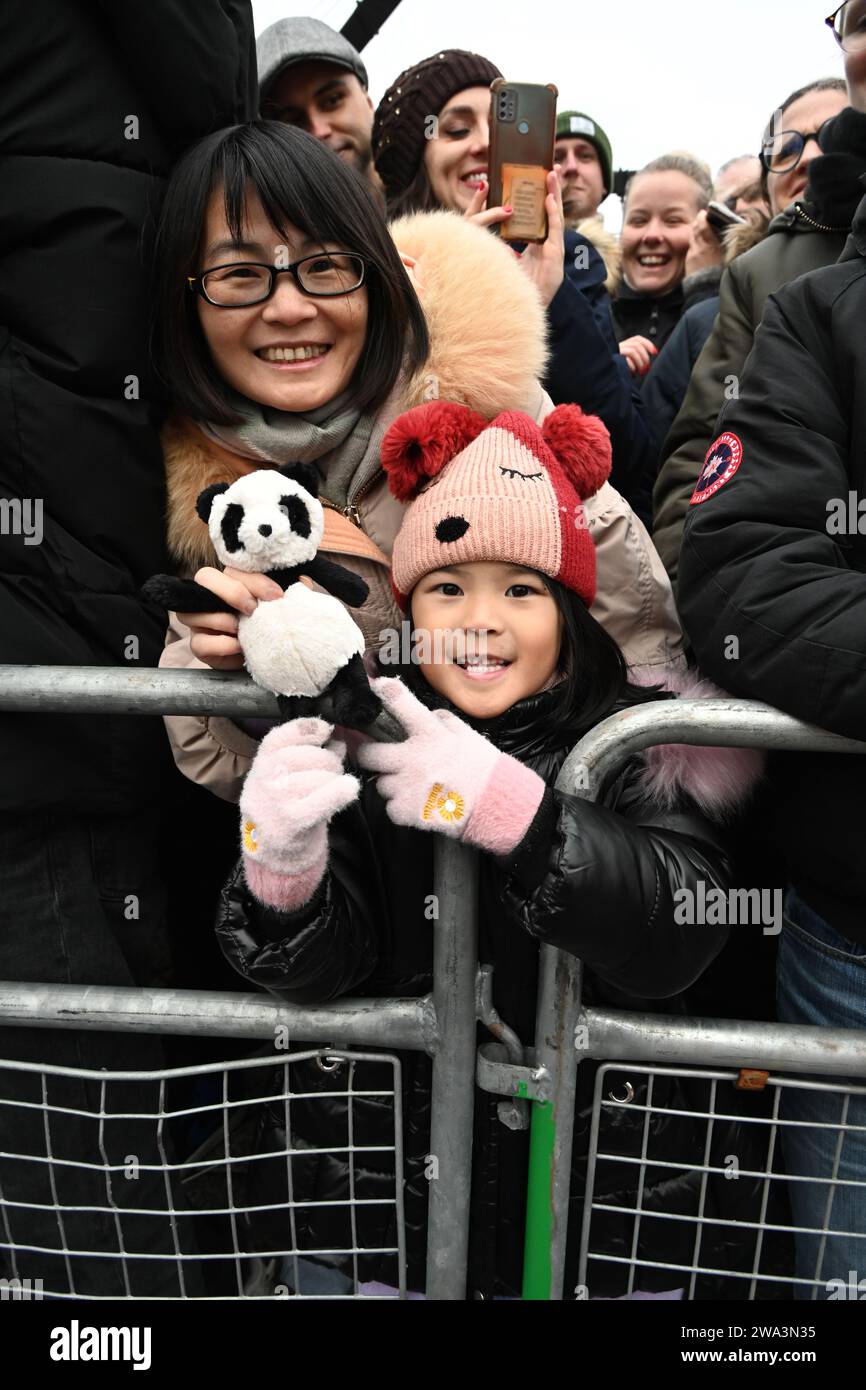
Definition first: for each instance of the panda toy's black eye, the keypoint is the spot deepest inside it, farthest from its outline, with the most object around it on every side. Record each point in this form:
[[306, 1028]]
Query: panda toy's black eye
[[299, 518], [231, 525]]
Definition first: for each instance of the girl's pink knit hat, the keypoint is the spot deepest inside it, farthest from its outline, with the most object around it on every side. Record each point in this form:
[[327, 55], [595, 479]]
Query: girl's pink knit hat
[[502, 491]]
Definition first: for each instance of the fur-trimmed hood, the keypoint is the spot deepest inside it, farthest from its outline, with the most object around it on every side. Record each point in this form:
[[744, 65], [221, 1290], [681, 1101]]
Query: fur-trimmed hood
[[607, 246], [488, 350], [718, 780], [488, 328], [738, 240]]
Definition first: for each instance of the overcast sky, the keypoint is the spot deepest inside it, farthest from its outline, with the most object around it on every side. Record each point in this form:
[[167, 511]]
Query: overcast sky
[[673, 74]]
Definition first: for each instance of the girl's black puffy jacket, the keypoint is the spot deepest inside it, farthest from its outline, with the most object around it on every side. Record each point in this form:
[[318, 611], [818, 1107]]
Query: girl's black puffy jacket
[[596, 880]]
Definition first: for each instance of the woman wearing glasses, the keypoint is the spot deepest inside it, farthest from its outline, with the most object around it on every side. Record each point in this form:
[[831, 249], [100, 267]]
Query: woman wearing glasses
[[289, 330]]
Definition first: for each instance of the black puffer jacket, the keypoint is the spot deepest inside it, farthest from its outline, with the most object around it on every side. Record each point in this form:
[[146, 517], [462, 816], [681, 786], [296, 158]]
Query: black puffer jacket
[[806, 236], [597, 880], [656, 316], [774, 554], [97, 101]]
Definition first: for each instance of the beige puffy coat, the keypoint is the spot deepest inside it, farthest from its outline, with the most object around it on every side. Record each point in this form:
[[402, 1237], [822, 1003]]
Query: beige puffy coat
[[488, 351]]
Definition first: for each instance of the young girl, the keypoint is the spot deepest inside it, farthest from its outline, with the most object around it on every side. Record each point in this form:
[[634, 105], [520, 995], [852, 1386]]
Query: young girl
[[496, 571]]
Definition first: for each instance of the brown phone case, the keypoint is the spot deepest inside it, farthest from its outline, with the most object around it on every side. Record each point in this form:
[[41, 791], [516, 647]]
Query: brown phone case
[[522, 136]]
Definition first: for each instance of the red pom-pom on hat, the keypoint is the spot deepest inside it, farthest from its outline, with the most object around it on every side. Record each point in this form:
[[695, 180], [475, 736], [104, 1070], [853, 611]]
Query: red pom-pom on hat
[[419, 444], [581, 444]]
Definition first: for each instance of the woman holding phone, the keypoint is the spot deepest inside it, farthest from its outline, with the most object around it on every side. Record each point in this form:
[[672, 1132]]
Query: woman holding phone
[[266, 369], [431, 143]]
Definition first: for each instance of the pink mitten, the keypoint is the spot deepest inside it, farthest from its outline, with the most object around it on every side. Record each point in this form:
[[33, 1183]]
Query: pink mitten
[[449, 778], [293, 789]]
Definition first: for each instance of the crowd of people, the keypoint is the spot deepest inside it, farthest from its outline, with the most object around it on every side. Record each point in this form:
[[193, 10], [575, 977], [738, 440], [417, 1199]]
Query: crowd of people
[[619, 469]]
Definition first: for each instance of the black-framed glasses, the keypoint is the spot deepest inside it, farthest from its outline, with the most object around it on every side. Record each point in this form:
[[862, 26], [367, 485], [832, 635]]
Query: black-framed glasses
[[849, 26], [323, 276], [782, 152]]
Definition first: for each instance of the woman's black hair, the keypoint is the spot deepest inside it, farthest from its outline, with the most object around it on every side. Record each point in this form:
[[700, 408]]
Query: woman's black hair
[[299, 181]]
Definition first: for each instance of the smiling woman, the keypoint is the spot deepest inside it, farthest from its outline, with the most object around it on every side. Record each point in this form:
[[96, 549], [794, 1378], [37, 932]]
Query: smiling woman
[[244, 211], [292, 344], [671, 259], [432, 136]]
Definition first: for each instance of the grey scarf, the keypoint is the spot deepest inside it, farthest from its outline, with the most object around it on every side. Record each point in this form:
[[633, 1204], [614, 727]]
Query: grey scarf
[[340, 441]]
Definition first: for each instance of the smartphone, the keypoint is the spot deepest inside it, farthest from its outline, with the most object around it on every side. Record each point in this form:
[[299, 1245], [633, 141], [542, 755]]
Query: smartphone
[[721, 218], [522, 135]]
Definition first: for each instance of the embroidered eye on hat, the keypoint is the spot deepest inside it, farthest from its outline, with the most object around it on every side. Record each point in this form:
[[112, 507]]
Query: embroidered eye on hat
[[507, 490]]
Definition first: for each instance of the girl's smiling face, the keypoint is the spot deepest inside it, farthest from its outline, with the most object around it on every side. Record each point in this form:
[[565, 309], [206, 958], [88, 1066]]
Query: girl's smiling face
[[506, 635], [457, 159], [250, 346]]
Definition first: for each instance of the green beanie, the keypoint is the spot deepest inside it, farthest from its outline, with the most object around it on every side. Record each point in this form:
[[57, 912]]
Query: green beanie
[[578, 123]]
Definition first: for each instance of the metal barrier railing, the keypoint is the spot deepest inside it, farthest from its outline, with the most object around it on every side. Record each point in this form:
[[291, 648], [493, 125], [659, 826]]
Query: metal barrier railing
[[444, 1025], [725, 723]]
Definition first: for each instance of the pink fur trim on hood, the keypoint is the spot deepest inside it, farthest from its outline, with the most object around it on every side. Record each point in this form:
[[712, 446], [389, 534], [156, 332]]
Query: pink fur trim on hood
[[718, 780]]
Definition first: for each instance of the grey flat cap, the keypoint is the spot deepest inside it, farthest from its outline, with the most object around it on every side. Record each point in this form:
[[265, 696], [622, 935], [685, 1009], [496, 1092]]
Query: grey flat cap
[[303, 40]]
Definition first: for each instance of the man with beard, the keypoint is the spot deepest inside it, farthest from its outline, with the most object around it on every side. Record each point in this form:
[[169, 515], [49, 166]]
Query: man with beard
[[311, 76]]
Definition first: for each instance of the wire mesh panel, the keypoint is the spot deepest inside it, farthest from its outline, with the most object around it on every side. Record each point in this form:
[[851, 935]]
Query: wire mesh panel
[[276, 1176], [705, 1184]]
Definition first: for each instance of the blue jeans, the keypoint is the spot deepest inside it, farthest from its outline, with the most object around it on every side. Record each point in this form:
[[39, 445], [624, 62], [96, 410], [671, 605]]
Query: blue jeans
[[822, 981]]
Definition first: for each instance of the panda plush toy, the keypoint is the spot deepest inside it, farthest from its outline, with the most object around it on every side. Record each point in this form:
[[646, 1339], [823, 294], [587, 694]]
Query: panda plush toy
[[305, 645]]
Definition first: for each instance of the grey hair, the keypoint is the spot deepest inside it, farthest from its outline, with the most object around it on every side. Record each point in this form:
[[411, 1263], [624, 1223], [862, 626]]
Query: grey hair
[[738, 159]]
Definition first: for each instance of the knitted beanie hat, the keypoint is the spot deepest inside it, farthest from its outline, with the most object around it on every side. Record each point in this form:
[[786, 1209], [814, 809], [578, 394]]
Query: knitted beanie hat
[[401, 123], [578, 123], [502, 491]]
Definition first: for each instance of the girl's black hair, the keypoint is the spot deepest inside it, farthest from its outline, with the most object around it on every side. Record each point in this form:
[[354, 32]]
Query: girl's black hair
[[298, 181], [595, 675]]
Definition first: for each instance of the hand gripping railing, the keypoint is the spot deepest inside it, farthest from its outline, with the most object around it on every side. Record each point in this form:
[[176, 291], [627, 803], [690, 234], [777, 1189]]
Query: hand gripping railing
[[727, 723]]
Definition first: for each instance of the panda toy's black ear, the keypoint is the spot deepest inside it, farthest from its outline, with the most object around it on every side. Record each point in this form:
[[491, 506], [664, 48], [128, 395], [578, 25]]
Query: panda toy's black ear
[[304, 473], [205, 500]]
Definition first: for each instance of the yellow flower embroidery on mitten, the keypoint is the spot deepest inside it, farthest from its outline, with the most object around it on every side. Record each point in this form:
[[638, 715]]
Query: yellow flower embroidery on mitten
[[250, 841], [451, 806]]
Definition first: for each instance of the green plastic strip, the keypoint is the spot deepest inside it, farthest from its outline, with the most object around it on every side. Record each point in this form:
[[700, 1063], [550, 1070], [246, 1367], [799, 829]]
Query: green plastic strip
[[539, 1212]]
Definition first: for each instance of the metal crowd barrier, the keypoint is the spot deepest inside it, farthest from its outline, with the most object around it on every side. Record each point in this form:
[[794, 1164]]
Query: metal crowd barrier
[[612, 1035], [540, 1081]]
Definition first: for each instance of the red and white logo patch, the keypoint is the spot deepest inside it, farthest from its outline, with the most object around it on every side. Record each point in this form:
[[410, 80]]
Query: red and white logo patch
[[722, 462]]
